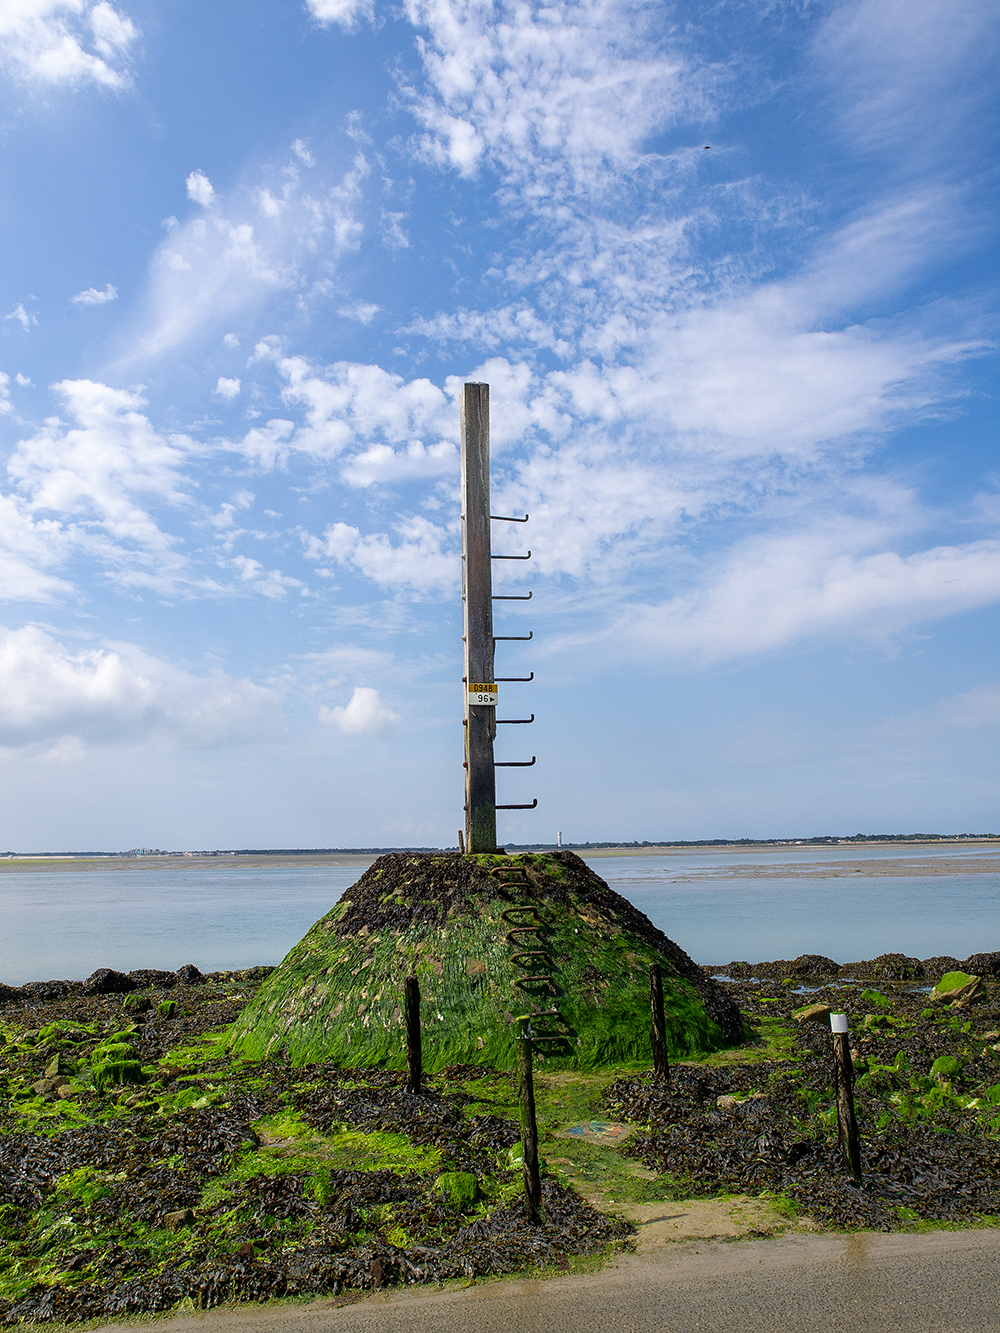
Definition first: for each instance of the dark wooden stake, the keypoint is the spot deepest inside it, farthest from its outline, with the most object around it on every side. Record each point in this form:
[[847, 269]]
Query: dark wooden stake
[[529, 1126], [661, 1065], [848, 1138], [461, 841], [477, 620], [414, 1059]]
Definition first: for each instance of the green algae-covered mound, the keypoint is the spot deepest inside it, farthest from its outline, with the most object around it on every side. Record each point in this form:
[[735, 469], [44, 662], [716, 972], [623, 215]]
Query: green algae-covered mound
[[490, 938]]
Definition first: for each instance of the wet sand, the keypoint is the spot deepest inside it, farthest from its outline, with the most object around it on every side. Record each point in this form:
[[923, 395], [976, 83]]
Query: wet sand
[[104, 863], [982, 863]]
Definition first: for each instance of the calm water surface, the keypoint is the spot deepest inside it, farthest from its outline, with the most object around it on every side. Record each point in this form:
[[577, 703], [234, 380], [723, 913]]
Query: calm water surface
[[67, 923]]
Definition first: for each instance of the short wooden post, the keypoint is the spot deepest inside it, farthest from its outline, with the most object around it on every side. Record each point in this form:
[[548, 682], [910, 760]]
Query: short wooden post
[[661, 1065], [848, 1138], [414, 1059], [461, 842], [529, 1126]]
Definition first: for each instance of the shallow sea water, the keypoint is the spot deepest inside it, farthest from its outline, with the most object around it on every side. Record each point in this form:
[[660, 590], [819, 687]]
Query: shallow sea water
[[67, 923]]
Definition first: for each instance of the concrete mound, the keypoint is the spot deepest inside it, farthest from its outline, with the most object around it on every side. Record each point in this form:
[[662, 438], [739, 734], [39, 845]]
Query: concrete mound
[[490, 938]]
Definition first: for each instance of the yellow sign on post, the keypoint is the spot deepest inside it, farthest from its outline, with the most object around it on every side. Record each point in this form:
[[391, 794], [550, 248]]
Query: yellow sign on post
[[483, 695]]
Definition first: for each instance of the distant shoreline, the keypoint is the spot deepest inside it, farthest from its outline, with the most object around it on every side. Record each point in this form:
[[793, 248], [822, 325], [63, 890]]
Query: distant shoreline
[[646, 848], [915, 865]]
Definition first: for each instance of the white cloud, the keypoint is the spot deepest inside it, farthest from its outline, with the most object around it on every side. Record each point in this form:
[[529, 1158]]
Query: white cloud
[[117, 693], [236, 255], [781, 590], [393, 235], [421, 562], [23, 317], [345, 13], [909, 76], [30, 548], [269, 583], [503, 326], [364, 715], [559, 93], [69, 42], [348, 403], [226, 388], [199, 188], [85, 478], [266, 447], [4, 393], [380, 463], [231, 342], [93, 296], [363, 312], [972, 710]]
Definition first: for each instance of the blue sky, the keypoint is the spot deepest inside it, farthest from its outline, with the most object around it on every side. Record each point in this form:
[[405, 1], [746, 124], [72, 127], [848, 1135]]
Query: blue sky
[[730, 271]]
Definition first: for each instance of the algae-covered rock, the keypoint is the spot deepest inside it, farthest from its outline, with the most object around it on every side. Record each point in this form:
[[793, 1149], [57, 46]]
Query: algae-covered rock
[[489, 938], [117, 1073], [814, 1013], [167, 1009], [459, 1188], [958, 988], [945, 1067]]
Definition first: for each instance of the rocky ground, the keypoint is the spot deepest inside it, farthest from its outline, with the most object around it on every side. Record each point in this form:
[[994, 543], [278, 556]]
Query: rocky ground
[[927, 1096], [143, 1168], [187, 1177]]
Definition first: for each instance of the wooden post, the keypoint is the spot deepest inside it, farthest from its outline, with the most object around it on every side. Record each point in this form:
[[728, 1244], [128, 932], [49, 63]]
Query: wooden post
[[661, 1065], [529, 1126], [414, 1059], [477, 620], [848, 1138]]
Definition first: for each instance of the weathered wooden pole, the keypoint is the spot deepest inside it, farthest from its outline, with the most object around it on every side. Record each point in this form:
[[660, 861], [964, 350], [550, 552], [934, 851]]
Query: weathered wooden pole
[[661, 1065], [414, 1058], [529, 1125], [848, 1138], [477, 623]]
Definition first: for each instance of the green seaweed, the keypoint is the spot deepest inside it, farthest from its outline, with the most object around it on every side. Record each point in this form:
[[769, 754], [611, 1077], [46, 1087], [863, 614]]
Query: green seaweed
[[339, 996]]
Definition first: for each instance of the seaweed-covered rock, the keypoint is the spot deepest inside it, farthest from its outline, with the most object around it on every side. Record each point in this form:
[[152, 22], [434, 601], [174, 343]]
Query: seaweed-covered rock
[[490, 938], [896, 967], [983, 964], [807, 967], [814, 1013], [106, 981], [958, 988], [188, 975], [10, 994], [147, 978], [48, 990], [459, 1188], [936, 967]]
